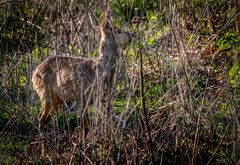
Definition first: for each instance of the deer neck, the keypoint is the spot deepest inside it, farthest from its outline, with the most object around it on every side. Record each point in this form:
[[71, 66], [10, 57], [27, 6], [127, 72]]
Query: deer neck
[[108, 54]]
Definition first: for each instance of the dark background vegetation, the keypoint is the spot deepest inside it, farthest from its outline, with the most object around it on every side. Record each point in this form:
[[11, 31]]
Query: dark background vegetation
[[177, 83]]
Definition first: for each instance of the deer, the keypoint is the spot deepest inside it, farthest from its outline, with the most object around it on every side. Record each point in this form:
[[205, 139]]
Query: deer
[[63, 78]]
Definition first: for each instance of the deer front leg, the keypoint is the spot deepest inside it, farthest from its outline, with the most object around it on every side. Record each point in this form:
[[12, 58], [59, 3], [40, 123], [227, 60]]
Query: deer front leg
[[85, 118], [85, 126]]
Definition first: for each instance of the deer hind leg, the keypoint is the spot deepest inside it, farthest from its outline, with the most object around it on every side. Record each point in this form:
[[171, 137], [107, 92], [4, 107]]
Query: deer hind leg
[[45, 114], [85, 126], [50, 105]]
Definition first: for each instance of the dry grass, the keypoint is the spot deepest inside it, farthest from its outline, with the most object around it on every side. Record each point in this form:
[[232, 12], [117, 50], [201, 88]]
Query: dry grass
[[172, 91]]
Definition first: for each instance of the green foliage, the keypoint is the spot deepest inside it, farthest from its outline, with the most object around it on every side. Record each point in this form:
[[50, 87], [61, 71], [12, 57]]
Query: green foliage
[[234, 73], [188, 106], [229, 39], [38, 52], [128, 9], [11, 144], [216, 15], [4, 116], [67, 121], [18, 27]]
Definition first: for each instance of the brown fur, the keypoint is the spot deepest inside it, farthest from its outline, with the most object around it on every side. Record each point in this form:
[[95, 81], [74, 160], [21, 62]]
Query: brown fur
[[62, 78]]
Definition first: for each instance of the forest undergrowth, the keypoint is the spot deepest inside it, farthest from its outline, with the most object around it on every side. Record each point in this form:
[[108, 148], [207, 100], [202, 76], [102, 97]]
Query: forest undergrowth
[[176, 88]]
